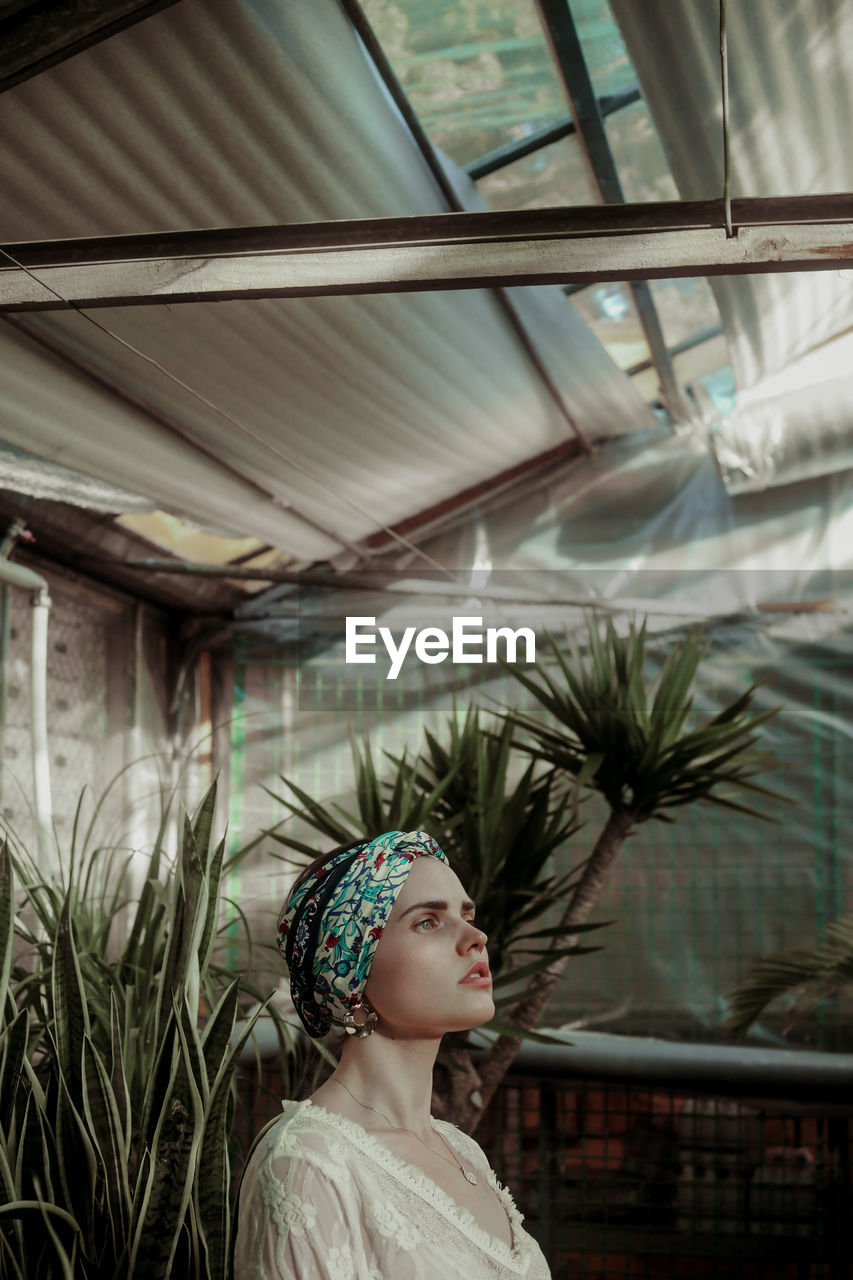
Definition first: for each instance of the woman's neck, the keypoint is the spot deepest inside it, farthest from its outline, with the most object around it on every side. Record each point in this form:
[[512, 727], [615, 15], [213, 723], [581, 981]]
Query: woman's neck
[[388, 1079]]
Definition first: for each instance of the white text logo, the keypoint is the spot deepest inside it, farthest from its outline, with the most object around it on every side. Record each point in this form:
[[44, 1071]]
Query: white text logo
[[432, 644]]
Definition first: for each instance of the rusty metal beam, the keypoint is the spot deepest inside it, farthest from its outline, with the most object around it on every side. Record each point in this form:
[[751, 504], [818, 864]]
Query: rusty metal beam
[[42, 33], [435, 251]]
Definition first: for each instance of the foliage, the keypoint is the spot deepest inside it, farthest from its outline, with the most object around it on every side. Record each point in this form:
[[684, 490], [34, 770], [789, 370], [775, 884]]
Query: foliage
[[500, 834], [823, 969], [627, 737], [116, 1096]]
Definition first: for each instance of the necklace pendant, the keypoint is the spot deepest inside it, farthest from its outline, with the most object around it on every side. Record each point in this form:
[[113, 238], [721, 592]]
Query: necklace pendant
[[470, 1177]]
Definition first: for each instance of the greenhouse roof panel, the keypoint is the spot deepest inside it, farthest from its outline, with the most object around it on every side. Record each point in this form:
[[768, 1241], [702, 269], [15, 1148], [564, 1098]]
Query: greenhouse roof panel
[[478, 74]]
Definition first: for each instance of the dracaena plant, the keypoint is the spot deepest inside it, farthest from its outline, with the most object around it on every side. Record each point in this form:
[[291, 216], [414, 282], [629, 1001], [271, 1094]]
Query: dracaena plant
[[500, 817], [631, 738], [815, 972], [116, 1096]]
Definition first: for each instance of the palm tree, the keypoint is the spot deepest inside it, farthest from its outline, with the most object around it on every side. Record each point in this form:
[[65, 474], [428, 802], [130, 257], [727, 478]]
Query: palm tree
[[626, 736], [821, 970]]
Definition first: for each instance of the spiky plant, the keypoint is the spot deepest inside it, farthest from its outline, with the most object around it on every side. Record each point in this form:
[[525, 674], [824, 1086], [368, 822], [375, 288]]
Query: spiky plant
[[628, 737], [815, 972], [116, 1072]]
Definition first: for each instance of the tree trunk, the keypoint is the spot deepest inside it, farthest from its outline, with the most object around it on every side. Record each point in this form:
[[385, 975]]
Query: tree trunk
[[527, 1012]]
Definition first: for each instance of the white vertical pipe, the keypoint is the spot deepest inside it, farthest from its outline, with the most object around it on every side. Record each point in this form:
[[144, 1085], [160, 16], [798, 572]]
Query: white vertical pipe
[[38, 731]]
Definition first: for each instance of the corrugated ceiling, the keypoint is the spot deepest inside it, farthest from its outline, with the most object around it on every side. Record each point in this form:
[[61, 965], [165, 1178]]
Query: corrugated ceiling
[[339, 415]]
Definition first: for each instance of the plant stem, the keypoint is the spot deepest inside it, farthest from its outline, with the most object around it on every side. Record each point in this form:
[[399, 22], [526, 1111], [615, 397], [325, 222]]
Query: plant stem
[[528, 1010]]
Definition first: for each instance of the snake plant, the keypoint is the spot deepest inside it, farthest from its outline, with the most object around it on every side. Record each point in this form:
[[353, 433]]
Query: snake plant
[[116, 1074]]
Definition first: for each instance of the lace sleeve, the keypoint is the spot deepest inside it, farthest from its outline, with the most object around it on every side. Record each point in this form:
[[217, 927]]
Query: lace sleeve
[[298, 1215]]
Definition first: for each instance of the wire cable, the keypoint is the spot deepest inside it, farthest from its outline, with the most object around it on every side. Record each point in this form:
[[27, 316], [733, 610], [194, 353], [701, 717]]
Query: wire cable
[[282, 454], [727, 160]]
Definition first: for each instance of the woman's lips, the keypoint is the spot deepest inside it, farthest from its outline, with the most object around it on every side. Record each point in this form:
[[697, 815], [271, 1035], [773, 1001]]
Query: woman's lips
[[477, 976]]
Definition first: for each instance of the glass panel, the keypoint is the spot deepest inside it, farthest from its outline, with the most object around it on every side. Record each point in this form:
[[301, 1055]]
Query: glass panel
[[685, 307], [637, 151], [720, 386], [479, 74], [553, 175], [610, 68], [647, 384], [610, 312], [708, 362]]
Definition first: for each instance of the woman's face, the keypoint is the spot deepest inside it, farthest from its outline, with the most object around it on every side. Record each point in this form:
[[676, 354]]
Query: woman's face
[[430, 973]]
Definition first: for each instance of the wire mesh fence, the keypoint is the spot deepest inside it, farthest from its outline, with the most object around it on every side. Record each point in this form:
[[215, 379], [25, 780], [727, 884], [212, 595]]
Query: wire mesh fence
[[625, 1180]]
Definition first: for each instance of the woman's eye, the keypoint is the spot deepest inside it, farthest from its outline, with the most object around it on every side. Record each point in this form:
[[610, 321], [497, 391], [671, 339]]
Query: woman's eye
[[427, 920]]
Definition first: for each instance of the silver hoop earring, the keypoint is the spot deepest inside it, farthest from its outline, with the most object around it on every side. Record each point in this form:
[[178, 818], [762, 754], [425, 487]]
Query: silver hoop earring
[[360, 1020]]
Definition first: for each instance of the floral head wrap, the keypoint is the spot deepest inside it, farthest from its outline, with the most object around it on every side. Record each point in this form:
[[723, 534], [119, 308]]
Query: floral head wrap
[[332, 923]]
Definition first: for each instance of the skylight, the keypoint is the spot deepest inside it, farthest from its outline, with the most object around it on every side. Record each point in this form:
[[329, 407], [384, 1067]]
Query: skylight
[[478, 73], [483, 79]]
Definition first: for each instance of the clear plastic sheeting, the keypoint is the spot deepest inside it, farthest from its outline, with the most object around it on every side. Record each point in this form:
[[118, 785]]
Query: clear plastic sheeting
[[693, 902], [779, 434], [790, 70], [637, 533], [651, 519]]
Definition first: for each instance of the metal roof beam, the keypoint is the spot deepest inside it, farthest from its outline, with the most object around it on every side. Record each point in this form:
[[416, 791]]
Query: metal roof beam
[[435, 251], [35, 36], [564, 128], [679, 348]]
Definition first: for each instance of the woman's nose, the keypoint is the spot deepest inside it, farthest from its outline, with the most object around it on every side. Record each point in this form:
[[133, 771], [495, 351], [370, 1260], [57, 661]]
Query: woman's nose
[[474, 937]]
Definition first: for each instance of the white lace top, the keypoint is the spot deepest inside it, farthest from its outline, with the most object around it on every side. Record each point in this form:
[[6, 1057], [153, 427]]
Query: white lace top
[[323, 1199]]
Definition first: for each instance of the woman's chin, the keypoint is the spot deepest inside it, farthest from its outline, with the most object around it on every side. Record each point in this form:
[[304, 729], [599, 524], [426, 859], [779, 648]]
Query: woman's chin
[[478, 1020]]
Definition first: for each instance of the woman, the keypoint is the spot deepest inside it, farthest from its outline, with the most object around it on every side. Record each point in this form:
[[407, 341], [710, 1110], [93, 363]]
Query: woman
[[359, 1182]]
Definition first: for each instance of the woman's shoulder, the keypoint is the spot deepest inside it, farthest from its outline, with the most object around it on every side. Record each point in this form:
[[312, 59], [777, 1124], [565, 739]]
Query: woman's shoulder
[[296, 1148], [299, 1124]]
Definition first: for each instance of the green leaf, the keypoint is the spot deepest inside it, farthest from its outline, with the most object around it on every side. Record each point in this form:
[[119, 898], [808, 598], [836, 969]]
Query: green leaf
[[220, 1026], [502, 1028], [212, 1183], [202, 824], [13, 1043], [102, 1113], [118, 1079], [546, 959], [208, 937], [7, 923], [76, 1159], [824, 968], [173, 1161], [70, 1006]]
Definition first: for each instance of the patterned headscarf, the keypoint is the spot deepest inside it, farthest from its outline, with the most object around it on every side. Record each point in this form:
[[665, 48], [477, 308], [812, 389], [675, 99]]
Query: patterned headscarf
[[332, 923]]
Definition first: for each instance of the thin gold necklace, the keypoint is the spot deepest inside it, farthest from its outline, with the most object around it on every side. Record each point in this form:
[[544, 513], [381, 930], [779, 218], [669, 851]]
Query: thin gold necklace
[[466, 1173]]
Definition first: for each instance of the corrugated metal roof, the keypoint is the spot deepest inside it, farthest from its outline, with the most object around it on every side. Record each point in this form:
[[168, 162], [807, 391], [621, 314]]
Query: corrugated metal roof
[[340, 415]]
